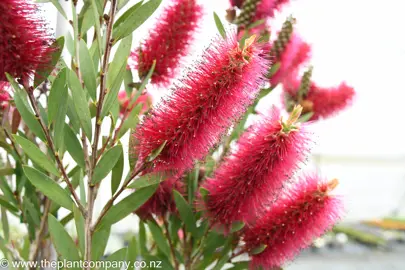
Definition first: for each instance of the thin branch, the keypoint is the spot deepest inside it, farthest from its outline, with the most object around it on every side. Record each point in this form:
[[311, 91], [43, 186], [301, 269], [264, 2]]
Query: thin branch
[[12, 143], [38, 237], [55, 153], [172, 250]]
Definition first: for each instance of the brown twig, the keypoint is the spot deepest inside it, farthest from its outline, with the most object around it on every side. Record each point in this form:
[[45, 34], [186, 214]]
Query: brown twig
[[55, 153]]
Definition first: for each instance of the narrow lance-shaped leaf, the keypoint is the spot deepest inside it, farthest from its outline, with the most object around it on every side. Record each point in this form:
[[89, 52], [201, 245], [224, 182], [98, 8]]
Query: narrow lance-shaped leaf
[[186, 213], [87, 69], [99, 243], [117, 172], [106, 163], [125, 207], [80, 103], [61, 239], [48, 187], [135, 19], [36, 155], [73, 146], [219, 25], [116, 74], [159, 238]]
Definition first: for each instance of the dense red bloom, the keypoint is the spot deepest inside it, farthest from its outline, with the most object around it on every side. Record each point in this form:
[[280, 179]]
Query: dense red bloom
[[168, 41], [162, 200], [267, 155], [302, 213], [323, 102], [295, 54], [4, 94], [266, 8], [124, 101], [24, 40], [206, 103]]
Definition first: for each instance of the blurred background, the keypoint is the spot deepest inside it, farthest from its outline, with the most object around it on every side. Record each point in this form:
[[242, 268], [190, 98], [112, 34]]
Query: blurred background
[[360, 42]]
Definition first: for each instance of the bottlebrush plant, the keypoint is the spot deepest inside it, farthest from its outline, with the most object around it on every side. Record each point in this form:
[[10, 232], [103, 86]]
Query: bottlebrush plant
[[208, 191]]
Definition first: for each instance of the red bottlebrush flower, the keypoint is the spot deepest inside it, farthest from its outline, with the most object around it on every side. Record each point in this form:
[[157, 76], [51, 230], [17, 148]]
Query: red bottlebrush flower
[[295, 54], [206, 103], [4, 95], [266, 8], [301, 214], [162, 200], [323, 102], [24, 40], [124, 101], [168, 42], [267, 155]]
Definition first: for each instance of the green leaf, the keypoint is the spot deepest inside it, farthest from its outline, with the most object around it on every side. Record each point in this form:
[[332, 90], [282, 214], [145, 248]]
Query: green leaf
[[88, 21], [59, 8], [122, 3], [87, 70], [6, 171], [74, 147], [79, 222], [237, 226], [20, 100], [148, 180], [32, 211], [274, 68], [73, 117], [99, 243], [159, 238], [57, 46], [7, 205], [5, 225], [116, 74], [48, 187], [131, 121], [125, 207], [127, 13], [258, 249], [242, 265], [36, 155], [61, 239], [115, 260], [135, 19], [80, 103], [8, 193], [186, 213], [106, 163], [220, 26], [117, 171], [155, 153], [57, 94], [96, 15], [132, 253]]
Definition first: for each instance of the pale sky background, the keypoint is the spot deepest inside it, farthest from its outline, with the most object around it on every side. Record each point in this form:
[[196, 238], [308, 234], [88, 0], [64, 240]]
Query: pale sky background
[[361, 42]]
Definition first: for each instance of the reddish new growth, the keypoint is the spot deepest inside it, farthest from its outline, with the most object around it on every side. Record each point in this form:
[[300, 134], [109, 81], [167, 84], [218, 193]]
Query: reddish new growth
[[302, 214], [200, 110], [294, 55], [4, 95], [168, 41], [267, 155], [323, 102], [162, 200], [24, 39]]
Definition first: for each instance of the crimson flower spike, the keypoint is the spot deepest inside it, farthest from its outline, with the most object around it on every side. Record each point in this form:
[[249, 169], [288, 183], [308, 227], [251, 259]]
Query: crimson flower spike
[[24, 39], [250, 178], [303, 213], [4, 95], [168, 41], [204, 105], [321, 102]]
